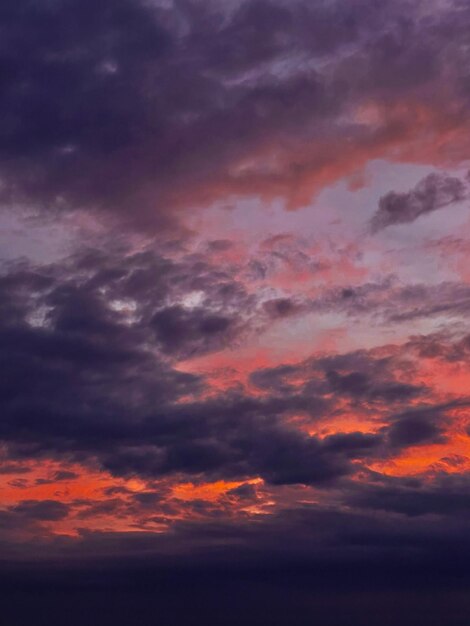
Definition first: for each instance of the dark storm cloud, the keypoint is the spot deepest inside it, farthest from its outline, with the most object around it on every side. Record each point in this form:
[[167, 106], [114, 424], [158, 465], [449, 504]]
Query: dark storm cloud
[[416, 428], [189, 332], [356, 375], [86, 375], [234, 439], [41, 510], [436, 191], [359, 384], [88, 349], [74, 95], [136, 107], [89, 363], [446, 496], [94, 294]]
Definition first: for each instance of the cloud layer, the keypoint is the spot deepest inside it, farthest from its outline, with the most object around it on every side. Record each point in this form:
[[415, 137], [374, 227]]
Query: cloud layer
[[230, 390]]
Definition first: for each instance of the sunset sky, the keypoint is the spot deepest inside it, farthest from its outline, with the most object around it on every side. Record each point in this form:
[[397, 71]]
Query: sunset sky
[[234, 312]]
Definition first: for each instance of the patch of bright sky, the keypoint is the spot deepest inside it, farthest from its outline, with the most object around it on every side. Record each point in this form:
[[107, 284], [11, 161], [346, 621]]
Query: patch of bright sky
[[337, 332], [338, 213], [336, 209], [343, 214], [193, 299], [39, 317], [46, 239], [23, 238]]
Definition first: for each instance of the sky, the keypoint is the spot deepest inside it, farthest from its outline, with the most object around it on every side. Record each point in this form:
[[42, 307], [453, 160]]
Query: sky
[[234, 312]]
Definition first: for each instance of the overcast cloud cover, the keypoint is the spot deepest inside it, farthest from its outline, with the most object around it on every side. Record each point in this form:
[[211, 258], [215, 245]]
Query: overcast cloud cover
[[234, 312]]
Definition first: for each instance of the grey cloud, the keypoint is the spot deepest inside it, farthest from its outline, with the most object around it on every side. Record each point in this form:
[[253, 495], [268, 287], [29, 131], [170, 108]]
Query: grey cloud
[[436, 191], [282, 307], [391, 301], [41, 510], [95, 379], [88, 381], [415, 430], [191, 332], [446, 496]]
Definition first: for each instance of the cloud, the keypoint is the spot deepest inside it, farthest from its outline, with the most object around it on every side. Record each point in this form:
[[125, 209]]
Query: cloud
[[91, 354], [211, 411], [392, 301], [359, 384], [416, 428], [441, 346], [194, 331], [135, 110], [41, 510], [446, 496], [90, 373], [282, 307], [436, 191]]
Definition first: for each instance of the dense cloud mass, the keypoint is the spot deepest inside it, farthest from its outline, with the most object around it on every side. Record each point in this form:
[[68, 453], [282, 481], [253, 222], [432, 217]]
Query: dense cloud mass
[[138, 107], [234, 304], [83, 374], [88, 369]]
